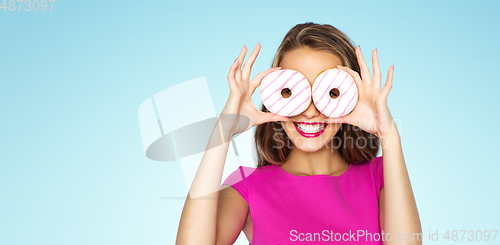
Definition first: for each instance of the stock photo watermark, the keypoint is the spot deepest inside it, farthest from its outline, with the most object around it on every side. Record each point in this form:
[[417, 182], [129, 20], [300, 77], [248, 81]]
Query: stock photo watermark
[[348, 136], [27, 5], [183, 140], [365, 236]]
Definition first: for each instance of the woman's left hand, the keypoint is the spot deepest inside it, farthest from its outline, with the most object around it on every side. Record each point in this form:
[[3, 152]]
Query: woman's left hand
[[371, 112]]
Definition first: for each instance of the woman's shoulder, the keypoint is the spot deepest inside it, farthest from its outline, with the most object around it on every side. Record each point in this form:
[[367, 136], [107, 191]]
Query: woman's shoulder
[[372, 164], [373, 168], [245, 172], [258, 172]]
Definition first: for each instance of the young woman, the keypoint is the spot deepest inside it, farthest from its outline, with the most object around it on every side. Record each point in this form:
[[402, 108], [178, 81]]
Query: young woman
[[321, 187]]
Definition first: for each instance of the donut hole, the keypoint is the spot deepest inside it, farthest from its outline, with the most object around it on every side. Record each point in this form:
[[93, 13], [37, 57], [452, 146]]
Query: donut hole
[[334, 93], [286, 93]]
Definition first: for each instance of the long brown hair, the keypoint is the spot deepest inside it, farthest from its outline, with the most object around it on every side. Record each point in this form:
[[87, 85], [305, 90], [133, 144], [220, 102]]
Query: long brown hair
[[272, 143]]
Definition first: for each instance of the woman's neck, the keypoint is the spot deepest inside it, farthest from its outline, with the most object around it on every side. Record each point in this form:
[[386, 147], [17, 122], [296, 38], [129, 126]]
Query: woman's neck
[[322, 162]]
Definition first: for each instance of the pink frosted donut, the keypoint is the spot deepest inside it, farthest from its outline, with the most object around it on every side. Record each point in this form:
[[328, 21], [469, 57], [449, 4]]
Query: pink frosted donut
[[281, 82], [334, 93]]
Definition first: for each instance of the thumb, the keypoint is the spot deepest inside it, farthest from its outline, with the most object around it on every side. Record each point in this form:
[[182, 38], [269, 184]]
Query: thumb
[[271, 117], [258, 79], [335, 120]]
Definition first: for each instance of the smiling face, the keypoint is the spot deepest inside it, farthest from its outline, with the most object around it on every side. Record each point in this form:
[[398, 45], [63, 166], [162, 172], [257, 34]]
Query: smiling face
[[307, 130]]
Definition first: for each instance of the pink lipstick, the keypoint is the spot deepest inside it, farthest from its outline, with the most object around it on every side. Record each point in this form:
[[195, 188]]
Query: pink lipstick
[[310, 129]]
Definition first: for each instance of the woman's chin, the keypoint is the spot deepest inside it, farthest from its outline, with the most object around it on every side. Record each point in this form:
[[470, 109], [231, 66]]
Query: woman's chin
[[308, 145], [309, 149]]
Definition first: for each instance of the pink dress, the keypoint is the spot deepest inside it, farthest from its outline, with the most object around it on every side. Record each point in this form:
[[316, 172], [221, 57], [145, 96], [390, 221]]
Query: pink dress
[[322, 209]]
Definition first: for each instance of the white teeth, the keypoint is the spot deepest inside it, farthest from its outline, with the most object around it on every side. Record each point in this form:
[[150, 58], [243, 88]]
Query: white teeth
[[306, 128]]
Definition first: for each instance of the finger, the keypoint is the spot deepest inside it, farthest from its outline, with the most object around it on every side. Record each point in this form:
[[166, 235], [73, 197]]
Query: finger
[[388, 83], [241, 58], [365, 72], [377, 76], [230, 76], [270, 117], [256, 81], [335, 120], [348, 119], [247, 67], [355, 76]]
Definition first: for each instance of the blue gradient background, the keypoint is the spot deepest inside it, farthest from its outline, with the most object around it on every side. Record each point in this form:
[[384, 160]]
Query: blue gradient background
[[73, 169]]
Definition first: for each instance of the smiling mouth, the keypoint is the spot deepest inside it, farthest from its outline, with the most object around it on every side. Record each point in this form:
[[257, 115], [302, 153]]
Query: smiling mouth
[[310, 130]]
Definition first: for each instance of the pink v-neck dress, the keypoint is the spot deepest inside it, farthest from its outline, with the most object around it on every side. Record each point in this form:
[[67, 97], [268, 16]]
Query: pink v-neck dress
[[321, 209]]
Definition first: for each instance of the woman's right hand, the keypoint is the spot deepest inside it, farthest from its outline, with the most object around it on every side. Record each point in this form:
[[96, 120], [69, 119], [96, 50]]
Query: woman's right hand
[[239, 113]]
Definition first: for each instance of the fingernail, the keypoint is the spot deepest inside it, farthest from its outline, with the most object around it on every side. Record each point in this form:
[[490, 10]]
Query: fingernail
[[339, 66], [279, 67]]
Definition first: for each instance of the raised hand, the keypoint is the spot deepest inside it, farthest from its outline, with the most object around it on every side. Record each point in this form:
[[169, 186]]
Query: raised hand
[[371, 113], [239, 112]]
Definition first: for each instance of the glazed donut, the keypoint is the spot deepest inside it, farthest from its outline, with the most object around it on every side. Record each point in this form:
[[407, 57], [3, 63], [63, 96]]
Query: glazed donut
[[334, 93], [285, 92]]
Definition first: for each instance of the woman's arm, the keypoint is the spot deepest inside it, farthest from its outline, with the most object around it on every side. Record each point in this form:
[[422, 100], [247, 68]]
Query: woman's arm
[[232, 215], [198, 224], [398, 210]]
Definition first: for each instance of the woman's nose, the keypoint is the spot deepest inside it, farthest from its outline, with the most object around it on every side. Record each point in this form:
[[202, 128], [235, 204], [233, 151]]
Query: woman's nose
[[311, 111]]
